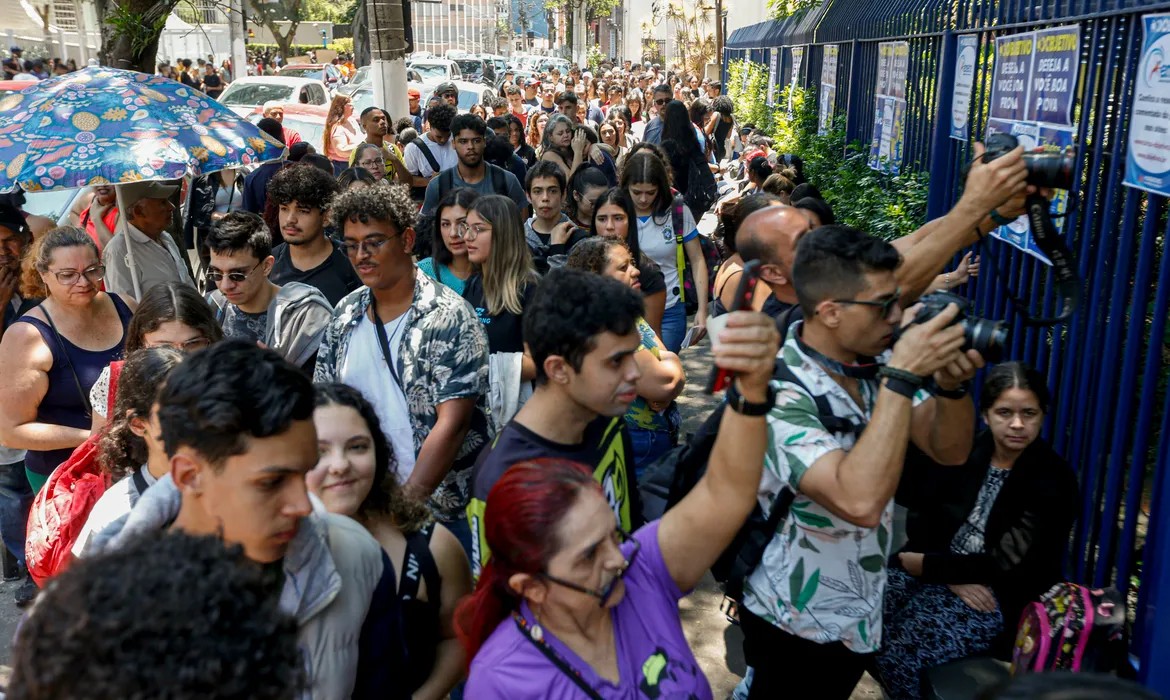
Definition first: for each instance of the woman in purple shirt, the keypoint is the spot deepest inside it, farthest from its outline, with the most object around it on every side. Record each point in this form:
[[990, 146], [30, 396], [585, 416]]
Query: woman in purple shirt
[[568, 606]]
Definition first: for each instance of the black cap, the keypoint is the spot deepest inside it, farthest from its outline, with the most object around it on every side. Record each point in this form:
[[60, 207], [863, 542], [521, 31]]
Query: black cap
[[15, 49], [445, 88]]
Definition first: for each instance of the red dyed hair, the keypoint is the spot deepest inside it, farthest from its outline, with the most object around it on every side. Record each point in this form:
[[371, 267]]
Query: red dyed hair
[[520, 526]]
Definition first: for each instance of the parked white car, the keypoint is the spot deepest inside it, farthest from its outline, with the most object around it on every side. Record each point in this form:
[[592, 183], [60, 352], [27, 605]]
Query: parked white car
[[433, 71], [247, 93]]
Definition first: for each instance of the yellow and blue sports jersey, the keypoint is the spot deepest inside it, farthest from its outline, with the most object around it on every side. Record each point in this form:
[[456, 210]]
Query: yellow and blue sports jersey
[[605, 448]]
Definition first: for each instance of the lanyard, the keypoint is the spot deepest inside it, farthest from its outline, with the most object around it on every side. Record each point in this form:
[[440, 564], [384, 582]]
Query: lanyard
[[385, 342], [552, 656]]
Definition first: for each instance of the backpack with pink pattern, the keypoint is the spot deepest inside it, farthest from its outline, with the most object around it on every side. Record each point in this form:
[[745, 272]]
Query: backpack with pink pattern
[[1071, 628]]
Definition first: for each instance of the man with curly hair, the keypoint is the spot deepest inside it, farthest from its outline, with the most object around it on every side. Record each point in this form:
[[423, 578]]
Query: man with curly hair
[[415, 349], [301, 194], [214, 629]]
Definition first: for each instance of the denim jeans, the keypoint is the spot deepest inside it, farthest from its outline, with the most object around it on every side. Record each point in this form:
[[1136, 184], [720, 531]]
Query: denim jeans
[[15, 498], [649, 445], [674, 326]]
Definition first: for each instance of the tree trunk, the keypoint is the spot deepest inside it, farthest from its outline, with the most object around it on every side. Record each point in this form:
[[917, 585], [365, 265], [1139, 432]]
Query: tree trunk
[[130, 32], [284, 42]]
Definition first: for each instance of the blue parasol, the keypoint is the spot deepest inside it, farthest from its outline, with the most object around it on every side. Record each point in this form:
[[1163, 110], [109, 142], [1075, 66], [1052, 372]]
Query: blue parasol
[[101, 126]]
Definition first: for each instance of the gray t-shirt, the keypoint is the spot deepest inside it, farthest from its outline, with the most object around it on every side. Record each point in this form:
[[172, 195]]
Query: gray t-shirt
[[512, 188], [237, 324]]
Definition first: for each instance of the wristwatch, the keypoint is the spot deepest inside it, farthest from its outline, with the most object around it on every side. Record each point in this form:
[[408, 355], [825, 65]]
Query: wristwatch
[[737, 403]]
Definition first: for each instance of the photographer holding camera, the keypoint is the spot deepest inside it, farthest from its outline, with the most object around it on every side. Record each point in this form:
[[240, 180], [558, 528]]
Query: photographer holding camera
[[995, 191], [815, 600]]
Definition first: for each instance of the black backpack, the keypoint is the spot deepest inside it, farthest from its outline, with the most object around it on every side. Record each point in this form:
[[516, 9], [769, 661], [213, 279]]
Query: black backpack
[[670, 478], [424, 229]]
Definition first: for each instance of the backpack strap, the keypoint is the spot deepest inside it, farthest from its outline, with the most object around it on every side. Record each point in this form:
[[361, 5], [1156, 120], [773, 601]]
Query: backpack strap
[[112, 392], [140, 484], [499, 179], [833, 424], [676, 222], [419, 566], [446, 181], [430, 157]]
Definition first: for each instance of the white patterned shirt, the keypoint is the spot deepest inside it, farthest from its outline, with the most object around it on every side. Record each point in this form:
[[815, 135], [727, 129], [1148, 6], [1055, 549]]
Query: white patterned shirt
[[821, 578]]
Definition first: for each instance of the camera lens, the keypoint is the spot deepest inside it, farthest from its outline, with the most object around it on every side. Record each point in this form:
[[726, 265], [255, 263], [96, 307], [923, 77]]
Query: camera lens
[[1054, 170], [988, 337]]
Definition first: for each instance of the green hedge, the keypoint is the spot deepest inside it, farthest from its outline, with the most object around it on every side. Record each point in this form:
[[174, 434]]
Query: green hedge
[[889, 206]]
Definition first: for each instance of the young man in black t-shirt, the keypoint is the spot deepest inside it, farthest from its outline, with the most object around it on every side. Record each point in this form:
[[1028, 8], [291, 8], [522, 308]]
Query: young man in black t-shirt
[[302, 194], [549, 231], [581, 330]]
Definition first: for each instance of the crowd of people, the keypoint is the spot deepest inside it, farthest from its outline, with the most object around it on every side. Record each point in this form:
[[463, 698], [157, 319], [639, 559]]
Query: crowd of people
[[413, 383]]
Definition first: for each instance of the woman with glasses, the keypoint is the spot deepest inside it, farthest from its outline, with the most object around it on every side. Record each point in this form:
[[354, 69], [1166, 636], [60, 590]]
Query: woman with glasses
[[170, 315], [567, 604], [356, 476], [51, 356], [501, 287], [448, 263], [372, 159]]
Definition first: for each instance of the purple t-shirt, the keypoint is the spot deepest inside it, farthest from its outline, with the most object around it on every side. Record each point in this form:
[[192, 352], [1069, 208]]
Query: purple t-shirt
[[654, 659]]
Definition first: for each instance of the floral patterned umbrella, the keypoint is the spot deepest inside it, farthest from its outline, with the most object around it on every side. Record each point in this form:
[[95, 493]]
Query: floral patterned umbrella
[[108, 126]]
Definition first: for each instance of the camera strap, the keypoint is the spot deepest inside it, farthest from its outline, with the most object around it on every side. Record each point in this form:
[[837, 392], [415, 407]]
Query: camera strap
[[867, 368], [1052, 244]]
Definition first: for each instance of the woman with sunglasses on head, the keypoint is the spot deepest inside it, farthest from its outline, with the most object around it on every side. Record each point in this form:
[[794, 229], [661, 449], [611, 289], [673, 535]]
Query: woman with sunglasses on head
[[356, 476], [569, 606], [170, 315], [500, 289], [51, 356], [448, 263], [614, 216], [650, 419]]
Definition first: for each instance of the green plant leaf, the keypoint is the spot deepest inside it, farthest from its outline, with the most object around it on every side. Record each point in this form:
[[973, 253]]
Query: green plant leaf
[[873, 563], [883, 536], [796, 581]]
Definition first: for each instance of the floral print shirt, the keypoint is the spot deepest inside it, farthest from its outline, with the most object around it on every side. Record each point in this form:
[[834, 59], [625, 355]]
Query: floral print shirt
[[821, 578], [444, 356]]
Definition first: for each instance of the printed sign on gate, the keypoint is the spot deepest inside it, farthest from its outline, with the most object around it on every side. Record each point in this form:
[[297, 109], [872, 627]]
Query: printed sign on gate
[[1147, 161]]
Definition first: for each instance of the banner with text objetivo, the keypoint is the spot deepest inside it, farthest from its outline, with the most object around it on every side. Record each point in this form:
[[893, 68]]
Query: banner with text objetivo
[[966, 60], [889, 121], [828, 97], [1033, 88], [1147, 162]]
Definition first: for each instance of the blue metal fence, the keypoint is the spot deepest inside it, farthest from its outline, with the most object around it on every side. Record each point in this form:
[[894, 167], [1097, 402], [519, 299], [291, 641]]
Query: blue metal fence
[[1110, 363]]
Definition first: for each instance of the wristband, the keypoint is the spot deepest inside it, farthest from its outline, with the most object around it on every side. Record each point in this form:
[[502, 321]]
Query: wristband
[[908, 377], [953, 394], [901, 387], [1000, 218]]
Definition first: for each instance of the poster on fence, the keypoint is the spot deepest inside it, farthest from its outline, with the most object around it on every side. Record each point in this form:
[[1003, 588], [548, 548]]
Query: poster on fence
[[828, 96], [889, 114], [797, 63], [1147, 164], [772, 70], [966, 59], [1032, 93]]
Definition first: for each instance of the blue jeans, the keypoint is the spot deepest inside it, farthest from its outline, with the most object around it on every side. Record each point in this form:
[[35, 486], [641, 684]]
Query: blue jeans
[[15, 498], [674, 326], [649, 445]]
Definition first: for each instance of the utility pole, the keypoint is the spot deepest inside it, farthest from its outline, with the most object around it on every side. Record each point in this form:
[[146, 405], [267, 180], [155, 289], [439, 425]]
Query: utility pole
[[237, 36], [387, 35]]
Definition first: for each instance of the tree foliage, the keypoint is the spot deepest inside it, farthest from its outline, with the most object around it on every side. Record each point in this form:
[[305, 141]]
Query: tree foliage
[[334, 11], [270, 13], [780, 9], [130, 32]]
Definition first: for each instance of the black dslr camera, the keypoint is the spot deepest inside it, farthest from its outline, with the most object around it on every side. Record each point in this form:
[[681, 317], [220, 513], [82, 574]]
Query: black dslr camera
[[1055, 170], [988, 337], [1045, 169]]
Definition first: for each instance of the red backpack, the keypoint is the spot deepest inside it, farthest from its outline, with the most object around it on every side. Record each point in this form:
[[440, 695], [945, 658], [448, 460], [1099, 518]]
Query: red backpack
[[63, 504]]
